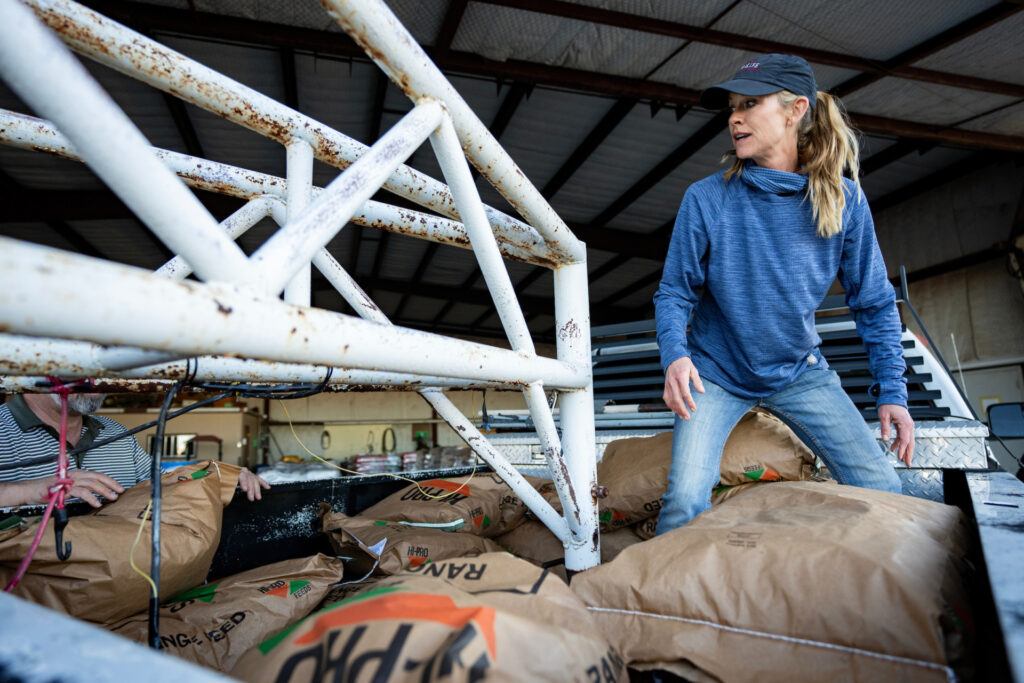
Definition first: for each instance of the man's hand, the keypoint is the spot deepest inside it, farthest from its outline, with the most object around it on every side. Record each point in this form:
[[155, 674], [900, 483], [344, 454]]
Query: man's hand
[[677, 387], [88, 486], [898, 417], [251, 485]]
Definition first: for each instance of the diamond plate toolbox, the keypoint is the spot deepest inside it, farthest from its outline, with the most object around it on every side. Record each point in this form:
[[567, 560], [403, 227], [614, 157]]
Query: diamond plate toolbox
[[946, 445], [922, 484]]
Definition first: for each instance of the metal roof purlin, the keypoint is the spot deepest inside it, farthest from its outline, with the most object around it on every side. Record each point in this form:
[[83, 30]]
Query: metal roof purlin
[[65, 231]]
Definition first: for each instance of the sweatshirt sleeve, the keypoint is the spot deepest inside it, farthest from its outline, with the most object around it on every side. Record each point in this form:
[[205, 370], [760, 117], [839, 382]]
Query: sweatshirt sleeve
[[872, 300], [682, 277]]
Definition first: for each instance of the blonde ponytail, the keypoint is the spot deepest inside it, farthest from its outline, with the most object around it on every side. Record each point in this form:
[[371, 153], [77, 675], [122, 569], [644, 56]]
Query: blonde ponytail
[[827, 146]]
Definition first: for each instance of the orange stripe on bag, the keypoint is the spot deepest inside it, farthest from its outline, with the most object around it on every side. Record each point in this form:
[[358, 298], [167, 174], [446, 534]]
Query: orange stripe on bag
[[450, 486], [419, 606]]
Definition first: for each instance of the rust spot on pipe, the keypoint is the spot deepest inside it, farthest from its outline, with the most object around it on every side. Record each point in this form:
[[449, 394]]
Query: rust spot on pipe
[[570, 330], [222, 308]]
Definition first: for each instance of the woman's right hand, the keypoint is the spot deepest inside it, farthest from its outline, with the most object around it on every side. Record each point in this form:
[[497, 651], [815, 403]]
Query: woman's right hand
[[677, 387]]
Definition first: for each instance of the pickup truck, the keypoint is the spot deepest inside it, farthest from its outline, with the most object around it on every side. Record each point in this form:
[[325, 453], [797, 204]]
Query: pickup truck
[[953, 464]]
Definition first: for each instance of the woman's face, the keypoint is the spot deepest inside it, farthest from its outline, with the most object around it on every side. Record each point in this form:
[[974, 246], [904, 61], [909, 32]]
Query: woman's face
[[761, 128]]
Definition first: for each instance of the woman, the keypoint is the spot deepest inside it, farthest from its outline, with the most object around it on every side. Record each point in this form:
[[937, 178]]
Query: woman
[[765, 240]]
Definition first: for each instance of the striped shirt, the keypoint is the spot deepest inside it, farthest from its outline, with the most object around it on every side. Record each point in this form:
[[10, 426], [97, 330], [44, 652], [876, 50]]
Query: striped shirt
[[24, 437]]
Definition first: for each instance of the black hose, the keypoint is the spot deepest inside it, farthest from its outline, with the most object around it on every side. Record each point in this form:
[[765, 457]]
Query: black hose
[[155, 482]]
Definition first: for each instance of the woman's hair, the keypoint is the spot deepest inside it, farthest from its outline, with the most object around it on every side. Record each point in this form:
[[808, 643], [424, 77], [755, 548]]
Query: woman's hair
[[827, 145]]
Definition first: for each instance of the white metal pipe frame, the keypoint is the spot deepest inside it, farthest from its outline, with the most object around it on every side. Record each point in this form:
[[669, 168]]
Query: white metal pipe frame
[[129, 329]]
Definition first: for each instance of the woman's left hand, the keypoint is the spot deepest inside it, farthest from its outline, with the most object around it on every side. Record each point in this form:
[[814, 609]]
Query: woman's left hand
[[251, 484], [899, 417]]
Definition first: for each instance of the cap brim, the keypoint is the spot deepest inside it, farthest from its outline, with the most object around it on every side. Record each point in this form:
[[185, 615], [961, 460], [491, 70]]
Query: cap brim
[[717, 96]]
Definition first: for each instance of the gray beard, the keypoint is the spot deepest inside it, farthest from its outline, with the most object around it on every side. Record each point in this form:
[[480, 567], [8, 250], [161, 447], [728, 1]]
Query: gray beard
[[81, 404]]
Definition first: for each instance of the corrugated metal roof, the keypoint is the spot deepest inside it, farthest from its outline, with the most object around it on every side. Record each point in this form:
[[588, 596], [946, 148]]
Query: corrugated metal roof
[[700, 65], [124, 240], [551, 123], [899, 98], [906, 170], [854, 27], [632, 150], [337, 93], [501, 33], [1007, 121], [992, 53], [36, 233], [547, 127]]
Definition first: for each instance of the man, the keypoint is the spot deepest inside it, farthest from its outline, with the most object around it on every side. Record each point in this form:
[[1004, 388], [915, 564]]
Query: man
[[29, 432]]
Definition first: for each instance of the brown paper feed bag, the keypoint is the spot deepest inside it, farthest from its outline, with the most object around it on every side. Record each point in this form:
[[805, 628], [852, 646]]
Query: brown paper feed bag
[[98, 584], [483, 505], [404, 547], [797, 581], [491, 617], [214, 624]]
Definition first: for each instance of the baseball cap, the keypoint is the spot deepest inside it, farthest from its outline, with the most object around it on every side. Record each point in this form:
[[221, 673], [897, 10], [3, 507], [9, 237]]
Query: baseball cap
[[762, 76]]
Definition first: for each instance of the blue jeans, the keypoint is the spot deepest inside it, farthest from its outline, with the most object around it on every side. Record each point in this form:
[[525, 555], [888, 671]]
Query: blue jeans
[[815, 407]]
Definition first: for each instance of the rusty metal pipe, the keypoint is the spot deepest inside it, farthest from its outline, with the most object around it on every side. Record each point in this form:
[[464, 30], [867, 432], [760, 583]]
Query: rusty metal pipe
[[133, 54], [308, 231], [376, 29], [45, 74], [299, 167], [32, 134], [93, 300], [456, 171], [234, 226]]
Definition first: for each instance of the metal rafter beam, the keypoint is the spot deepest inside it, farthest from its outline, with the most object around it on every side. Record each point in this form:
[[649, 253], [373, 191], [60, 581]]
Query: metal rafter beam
[[24, 205], [9, 187], [629, 289], [479, 320], [940, 41], [958, 170], [380, 95], [41, 205], [450, 25], [956, 264], [521, 286], [143, 16], [45, 205], [688, 148], [892, 153], [421, 269], [658, 238], [466, 285], [612, 118], [183, 122], [898, 67], [289, 77]]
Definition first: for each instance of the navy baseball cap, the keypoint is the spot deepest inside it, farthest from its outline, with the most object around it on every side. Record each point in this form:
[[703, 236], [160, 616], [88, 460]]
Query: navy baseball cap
[[762, 76]]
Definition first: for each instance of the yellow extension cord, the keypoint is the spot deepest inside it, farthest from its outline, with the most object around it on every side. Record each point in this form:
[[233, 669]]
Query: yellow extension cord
[[131, 553]]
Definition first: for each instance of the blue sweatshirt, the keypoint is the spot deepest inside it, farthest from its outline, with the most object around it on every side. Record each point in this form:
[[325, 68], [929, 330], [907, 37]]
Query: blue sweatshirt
[[751, 243]]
